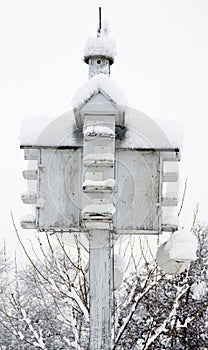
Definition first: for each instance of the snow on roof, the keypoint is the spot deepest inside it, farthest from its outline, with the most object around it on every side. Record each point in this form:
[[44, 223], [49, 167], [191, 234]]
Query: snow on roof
[[50, 131], [103, 45], [145, 132], [141, 132], [99, 82]]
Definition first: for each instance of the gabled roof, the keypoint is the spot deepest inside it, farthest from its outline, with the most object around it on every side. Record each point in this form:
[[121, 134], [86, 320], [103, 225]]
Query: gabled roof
[[99, 103], [99, 83]]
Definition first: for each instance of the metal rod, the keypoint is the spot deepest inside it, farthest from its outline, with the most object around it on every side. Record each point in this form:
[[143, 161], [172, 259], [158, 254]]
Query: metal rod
[[100, 22]]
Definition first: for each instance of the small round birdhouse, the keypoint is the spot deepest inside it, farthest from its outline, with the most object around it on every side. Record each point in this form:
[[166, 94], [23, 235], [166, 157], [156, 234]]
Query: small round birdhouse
[[175, 255], [98, 64], [171, 266], [99, 52]]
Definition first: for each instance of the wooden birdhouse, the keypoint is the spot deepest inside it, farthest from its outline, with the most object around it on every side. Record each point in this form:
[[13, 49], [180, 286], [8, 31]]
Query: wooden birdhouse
[[101, 170], [103, 164]]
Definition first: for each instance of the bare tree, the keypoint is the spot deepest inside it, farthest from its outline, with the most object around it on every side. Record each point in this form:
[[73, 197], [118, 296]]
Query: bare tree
[[46, 304]]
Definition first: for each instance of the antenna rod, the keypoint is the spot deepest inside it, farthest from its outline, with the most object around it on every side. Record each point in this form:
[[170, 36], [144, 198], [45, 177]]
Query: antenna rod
[[99, 28]]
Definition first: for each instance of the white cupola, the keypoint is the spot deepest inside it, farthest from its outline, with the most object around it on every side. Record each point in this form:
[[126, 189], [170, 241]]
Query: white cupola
[[99, 52]]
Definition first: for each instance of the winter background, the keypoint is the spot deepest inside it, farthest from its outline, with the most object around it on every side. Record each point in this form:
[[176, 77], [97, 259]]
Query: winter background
[[161, 66]]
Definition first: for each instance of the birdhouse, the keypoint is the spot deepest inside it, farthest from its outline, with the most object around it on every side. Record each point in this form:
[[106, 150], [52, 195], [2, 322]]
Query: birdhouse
[[100, 98], [175, 255], [60, 188], [103, 164], [99, 52], [101, 170]]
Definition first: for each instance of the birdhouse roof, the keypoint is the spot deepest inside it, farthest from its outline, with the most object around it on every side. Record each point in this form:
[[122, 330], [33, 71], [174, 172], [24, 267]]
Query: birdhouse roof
[[142, 132], [102, 45], [99, 83]]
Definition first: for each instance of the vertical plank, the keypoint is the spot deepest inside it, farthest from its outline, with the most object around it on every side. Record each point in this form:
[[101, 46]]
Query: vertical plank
[[100, 290]]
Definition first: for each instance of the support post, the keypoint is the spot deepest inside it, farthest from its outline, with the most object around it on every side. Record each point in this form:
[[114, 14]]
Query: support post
[[100, 289]]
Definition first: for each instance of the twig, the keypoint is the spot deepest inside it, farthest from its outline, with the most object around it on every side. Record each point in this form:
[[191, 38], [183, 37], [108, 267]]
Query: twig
[[196, 211], [183, 197]]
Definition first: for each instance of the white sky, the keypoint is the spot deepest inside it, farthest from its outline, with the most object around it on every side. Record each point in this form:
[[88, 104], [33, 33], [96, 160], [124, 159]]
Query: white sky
[[162, 67]]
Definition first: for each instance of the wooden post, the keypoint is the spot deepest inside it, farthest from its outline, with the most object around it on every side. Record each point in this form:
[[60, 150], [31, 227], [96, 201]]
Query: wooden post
[[98, 211], [100, 290]]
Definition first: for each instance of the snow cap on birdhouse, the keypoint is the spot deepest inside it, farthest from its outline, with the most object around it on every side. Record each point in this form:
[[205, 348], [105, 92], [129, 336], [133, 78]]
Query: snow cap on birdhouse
[[99, 52], [175, 255], [99, 96]]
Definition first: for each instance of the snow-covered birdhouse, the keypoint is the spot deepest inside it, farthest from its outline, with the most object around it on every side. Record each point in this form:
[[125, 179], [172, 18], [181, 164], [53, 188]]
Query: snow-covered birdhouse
[[175, 255], [103, 164], [99, 97], [56, 182], [99, 52]]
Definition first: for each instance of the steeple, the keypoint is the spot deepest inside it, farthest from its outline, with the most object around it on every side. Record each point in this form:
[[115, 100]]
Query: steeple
[[100, 51]]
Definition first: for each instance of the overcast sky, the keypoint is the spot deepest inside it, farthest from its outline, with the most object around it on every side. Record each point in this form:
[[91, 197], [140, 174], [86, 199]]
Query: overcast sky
[[162, 67]]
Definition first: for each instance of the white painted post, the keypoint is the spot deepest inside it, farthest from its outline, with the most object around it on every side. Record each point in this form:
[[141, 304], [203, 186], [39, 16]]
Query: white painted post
[[100, 290], [97, 212]]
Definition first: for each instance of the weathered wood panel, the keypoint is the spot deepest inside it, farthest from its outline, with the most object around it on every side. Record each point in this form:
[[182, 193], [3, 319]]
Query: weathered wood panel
[[137, 197], [60, 175]]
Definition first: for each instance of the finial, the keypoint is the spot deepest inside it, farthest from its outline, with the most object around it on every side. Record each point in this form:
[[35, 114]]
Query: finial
[[99, 25], [100, 51]]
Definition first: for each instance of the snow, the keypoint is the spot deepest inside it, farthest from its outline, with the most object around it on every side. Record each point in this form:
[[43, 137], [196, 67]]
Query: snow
[[32, 127], [103, 183], [28, 218], [145, 132], [98, 158], [169, 321], [38, 337], [40, 203], [20, 335], [28, 222], [29, 194], [199, 290], [49, 131], [98, 131], [73, 294], [100, 209], [173, 129], [103, 45], [99, 82], [171, 220], [182, 245], [141, 131], [175, 255], [134, 306]]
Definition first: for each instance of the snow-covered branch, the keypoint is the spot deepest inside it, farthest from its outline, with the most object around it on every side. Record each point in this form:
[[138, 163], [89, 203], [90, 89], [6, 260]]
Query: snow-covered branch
[[169, 320]]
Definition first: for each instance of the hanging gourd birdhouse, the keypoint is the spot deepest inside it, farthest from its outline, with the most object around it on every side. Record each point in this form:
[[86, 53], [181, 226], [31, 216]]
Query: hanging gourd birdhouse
[[175, 255]]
